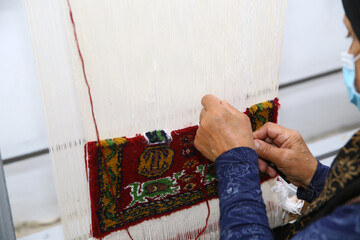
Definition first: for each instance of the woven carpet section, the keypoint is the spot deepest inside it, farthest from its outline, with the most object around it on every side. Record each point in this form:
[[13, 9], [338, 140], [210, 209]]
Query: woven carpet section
[[154, 175]]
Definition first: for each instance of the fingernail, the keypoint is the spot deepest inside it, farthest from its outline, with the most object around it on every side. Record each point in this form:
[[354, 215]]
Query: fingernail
[[257, 145]]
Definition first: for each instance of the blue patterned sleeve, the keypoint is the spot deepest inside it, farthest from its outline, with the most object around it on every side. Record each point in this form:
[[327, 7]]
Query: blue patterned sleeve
[[316, 184], [342, 223], [242, 209]]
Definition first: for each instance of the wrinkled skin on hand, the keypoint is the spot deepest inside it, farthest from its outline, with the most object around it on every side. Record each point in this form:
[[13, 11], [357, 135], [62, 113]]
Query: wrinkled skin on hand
[[222, 127], [288, 151]]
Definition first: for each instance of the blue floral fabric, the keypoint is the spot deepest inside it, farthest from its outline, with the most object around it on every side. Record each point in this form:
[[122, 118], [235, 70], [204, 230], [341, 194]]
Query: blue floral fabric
[[242, 209], [316, 184], [342, 223]]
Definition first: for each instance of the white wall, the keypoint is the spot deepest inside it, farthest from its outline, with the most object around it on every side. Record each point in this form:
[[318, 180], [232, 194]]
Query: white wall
[[31, 190], [22, 127], [318, 108], [314, 37]]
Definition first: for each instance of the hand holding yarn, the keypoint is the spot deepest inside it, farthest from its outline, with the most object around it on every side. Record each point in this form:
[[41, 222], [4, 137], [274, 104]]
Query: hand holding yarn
[[222, 127], [287, 150]]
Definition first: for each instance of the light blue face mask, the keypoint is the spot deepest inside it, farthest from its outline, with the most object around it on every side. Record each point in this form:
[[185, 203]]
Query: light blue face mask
[[348, 61]]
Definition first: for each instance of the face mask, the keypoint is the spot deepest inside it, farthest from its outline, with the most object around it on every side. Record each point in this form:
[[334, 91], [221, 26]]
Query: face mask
[[348, 61]]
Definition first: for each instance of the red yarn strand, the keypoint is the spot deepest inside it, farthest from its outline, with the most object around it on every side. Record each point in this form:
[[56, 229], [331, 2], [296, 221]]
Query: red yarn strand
[[207, 202], [93, 116]]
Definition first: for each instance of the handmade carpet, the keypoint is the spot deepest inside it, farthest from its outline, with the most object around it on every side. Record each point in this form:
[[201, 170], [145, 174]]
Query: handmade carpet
[[153, 175]]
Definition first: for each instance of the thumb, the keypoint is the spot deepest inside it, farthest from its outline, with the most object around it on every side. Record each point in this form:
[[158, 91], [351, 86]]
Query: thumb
[[268, 152]]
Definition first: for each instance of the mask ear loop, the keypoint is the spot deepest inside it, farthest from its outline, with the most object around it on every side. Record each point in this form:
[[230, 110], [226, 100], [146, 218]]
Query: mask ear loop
[[357, 58], [348, 60]]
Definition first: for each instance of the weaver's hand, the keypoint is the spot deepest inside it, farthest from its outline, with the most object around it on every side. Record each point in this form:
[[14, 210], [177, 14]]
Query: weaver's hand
[[287, 150], [222, 127]]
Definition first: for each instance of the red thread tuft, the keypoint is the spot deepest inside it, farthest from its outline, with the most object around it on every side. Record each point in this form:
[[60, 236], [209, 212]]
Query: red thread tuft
[[207, 201], [276, 110]]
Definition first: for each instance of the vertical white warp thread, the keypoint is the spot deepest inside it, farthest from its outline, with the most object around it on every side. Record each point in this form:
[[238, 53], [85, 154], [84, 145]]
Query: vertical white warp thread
[[148, 64]]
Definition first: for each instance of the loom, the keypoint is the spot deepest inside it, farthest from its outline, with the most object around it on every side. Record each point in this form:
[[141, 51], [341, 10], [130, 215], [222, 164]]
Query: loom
[[147, 64]]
